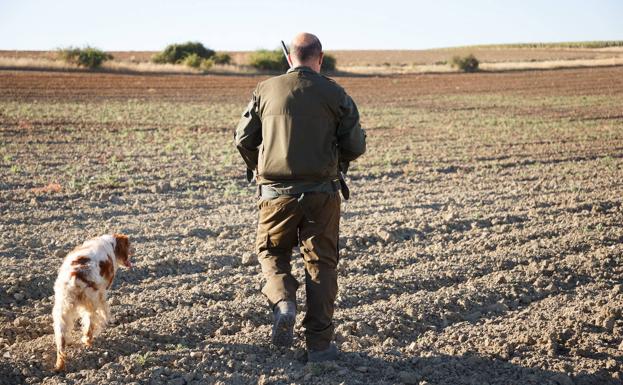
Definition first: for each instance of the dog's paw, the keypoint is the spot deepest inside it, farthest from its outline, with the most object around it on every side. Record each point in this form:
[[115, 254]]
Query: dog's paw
[[88, 342], [60, 365]]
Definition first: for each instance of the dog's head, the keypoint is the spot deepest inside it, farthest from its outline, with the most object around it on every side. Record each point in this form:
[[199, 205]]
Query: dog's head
[[122, 250]]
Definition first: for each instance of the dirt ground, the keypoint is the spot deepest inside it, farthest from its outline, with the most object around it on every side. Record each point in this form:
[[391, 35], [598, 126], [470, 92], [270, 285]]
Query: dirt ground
[[482, 243]]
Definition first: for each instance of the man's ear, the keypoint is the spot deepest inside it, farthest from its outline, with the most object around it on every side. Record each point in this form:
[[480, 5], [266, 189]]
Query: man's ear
[[321, 57]]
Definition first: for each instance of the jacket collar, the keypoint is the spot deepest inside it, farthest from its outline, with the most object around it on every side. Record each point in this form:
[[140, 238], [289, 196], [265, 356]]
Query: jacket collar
[[301, 69]]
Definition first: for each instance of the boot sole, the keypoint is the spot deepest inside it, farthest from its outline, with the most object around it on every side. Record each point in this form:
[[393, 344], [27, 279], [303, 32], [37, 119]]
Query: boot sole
[[283, 331]]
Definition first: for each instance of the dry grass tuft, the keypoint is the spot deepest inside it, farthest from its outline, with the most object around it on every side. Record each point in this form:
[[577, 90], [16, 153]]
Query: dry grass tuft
[[49, 189], [552, 64], [385, 69], [121, 66], [29, 62]]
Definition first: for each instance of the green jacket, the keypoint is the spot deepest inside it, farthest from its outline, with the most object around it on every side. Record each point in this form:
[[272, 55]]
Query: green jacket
[[297, 127]]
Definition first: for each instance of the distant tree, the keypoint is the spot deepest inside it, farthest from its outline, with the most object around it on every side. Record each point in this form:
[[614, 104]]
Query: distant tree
[[328, 63], [84, 57], [467, 63], [268, 60], [221, 58], [176, 53]]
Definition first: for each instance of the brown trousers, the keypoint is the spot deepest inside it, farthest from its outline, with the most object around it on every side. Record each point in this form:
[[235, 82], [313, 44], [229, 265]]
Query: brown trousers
[[312, 222]]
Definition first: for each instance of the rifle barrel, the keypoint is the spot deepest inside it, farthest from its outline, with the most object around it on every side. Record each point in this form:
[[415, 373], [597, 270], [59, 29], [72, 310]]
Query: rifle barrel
[[284, 48]]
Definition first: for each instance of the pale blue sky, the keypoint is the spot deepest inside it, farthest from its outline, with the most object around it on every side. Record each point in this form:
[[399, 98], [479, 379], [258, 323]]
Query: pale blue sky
[[250, 24]]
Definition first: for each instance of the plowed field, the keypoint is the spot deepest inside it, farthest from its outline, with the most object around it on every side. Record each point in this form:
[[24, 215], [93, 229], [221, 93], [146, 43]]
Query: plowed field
[[482, 243]]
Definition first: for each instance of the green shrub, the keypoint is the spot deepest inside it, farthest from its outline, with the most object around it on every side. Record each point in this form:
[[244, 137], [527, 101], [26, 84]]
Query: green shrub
[[221, 58], [264, 59], [328, 63], [193, 60], [206, 64], [69, 54], [176, 53], [84, 57], [467, 63]]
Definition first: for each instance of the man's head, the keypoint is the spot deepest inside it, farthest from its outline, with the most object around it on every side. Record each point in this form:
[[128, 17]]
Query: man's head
[[306, 50]]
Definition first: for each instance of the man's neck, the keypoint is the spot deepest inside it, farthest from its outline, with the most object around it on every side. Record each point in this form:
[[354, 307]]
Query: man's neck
[[301, 67], [306, 65]]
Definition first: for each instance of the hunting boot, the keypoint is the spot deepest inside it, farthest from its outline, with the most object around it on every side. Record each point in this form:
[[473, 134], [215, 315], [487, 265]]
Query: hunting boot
[[283, 326], [329, 354]]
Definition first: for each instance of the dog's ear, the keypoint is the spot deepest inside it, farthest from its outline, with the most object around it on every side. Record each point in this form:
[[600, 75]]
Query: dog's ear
[[122, 249]]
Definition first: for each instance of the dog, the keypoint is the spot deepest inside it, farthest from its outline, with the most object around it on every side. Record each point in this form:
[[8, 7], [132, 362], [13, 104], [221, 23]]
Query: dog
[[80, 290]]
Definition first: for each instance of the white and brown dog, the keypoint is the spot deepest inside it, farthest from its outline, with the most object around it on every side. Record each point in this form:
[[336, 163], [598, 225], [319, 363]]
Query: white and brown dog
[[80, 289]]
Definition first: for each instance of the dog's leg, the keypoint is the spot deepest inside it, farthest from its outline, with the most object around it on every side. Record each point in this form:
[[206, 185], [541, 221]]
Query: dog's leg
[[63, 323], [101, 316], [103, 311], [87, 329], [106, 308], [88, 320]]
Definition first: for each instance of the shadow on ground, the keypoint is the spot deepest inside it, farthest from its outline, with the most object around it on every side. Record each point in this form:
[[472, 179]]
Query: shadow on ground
[[228, 363]]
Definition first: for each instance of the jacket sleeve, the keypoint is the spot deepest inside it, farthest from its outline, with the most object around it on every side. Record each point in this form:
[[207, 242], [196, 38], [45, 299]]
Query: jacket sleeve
[[351, 138], [248, 135]]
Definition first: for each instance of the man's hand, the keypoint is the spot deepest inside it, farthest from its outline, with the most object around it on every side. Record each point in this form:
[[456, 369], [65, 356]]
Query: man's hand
[[248, 135]]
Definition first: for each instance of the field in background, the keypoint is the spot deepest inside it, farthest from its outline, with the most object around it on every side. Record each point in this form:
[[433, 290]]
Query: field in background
[[482, 244], [492, 57]]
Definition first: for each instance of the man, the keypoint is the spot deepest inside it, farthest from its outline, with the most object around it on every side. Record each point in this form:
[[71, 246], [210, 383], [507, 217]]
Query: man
[[297, 129]]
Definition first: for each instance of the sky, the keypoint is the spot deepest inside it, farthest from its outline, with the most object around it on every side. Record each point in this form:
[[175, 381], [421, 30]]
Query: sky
[[116, 25]]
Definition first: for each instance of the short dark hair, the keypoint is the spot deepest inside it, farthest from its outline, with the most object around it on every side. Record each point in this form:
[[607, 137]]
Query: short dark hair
[[310, 50]]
